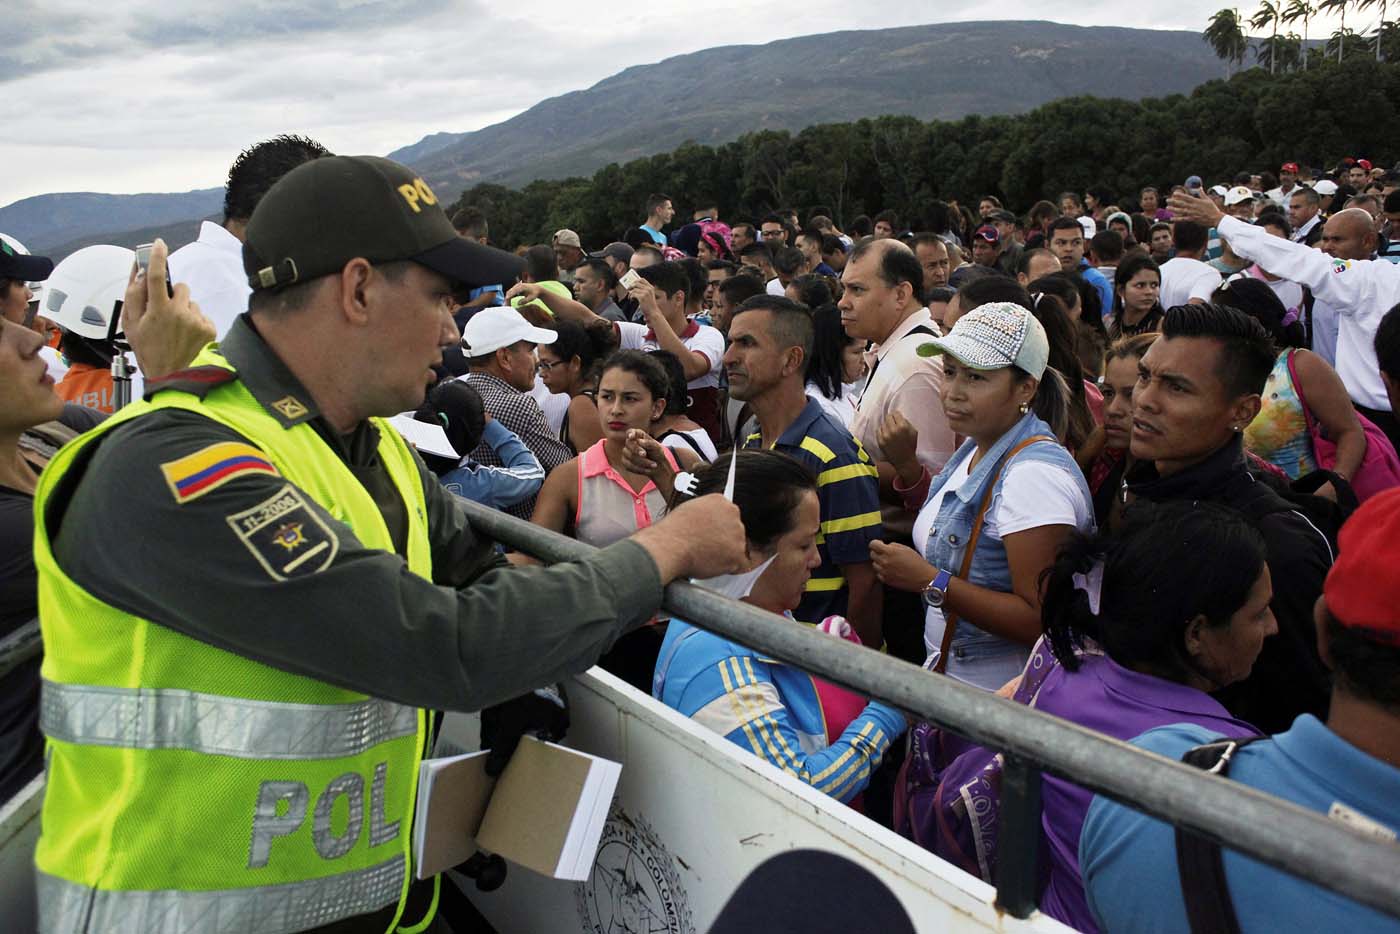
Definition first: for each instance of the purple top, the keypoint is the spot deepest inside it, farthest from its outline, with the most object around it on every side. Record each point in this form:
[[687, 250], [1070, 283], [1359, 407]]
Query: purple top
[[1102, 695]]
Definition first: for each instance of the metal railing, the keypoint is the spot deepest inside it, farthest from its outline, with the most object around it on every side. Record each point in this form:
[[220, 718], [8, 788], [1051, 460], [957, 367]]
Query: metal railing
[[1273, 831], [1279, 833]]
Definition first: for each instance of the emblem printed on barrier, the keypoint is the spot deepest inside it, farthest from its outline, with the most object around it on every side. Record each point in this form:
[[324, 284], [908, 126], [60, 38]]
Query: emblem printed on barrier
[[286, 536], [634, 886]]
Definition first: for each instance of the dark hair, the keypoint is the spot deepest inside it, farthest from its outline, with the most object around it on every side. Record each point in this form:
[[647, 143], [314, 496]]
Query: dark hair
[[667, 276], [1366, 669], [1189, 236], [740, 288], [540, 264], [676, 402], [1246, 352], [812, 290], [603, 270], [829, 342], [1392, 202], [832, 244], [588, 344], [1023, 265], [1261, 303], [470, 221], [993, 288], [655, 201], [1387, 343], [697, 278], [788, 260], [89, 351], [768, 485], [1168, 563], [259, 167], [1272, 218], [1133, 346], [1101, 194], [860, 226], [940, 293], [1091, 337], [1072, 196], [889, 217], [1107, 245], [1307, 194], [792, 321], [1131, 266], [456, 407], [1061, 334], [642, 365], [1041, 212], [758, 248], [897, 264], [721, 264]]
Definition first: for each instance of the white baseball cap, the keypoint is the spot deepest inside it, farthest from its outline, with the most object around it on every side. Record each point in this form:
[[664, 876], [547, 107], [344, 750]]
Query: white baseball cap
[[493, 328], [1089, 225], [1238, 195], [995, 336], [1325, 186], [1220, 190]]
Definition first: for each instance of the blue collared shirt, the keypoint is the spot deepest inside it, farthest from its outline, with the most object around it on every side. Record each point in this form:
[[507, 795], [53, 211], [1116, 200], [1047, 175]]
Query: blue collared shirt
[[1128, 859]]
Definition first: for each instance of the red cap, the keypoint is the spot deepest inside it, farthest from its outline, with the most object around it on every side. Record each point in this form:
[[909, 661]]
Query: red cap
[[1362, 589], [1289, 167], [989, 233], [1364, 163]]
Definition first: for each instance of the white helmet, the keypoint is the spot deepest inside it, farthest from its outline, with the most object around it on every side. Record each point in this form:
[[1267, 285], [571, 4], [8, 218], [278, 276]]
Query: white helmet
[[36, 288], [86, 291]]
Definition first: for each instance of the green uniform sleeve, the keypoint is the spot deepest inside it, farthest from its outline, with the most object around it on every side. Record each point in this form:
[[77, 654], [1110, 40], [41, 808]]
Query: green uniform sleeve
[[363, 620]]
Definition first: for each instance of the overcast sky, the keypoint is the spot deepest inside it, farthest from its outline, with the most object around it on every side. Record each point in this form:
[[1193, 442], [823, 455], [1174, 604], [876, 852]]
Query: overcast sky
[[117, 96]]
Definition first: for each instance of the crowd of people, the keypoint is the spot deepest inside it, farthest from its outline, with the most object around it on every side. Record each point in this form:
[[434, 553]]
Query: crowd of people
[[1129, 460]]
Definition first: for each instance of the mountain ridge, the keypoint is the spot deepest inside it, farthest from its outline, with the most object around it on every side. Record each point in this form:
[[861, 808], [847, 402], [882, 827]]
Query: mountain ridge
[[934, 71]]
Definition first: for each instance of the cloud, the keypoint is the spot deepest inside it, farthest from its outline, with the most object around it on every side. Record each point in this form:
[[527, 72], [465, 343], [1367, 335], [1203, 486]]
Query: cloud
[[113, 86]]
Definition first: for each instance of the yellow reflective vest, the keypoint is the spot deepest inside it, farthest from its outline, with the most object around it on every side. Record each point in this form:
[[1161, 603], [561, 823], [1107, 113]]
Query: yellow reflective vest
[[193, 790]]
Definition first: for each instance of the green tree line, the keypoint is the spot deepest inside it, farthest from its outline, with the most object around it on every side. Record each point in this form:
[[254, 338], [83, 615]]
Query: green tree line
[[1291, 51], [1251, 121]]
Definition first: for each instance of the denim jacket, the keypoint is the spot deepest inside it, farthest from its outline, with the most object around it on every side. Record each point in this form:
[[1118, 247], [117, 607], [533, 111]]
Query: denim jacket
[[947, 539]]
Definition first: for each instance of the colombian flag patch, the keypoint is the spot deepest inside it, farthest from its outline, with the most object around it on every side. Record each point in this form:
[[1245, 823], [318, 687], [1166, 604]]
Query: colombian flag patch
[[192, 476]]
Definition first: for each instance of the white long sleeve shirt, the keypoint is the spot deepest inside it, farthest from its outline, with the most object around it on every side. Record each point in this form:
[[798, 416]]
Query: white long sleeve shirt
[[1358, 292]]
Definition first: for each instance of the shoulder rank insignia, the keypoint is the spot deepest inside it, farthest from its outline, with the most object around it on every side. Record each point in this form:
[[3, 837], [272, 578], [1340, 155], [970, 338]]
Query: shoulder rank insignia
[[285, 535], [195, 474], [290, 408], [197, 381]]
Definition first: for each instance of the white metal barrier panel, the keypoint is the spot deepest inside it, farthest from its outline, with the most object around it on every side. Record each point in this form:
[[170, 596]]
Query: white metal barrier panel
[[693, 816]]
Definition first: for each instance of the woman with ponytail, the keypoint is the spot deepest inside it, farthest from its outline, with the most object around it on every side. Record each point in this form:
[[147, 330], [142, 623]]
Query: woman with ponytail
[[998, 510], [1140, 628]]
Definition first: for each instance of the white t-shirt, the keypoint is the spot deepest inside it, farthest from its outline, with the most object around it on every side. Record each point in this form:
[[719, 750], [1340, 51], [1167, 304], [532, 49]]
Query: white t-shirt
[[1033, 494], [775, 287], [842, 409], [554, 405], [699, 442], [1184, 279], [700, 338]]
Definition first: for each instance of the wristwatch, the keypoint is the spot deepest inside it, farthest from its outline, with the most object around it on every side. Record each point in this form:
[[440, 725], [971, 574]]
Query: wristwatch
[[936, 590]]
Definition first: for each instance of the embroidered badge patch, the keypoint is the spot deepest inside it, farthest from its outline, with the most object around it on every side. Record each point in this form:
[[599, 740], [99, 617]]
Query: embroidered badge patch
[[286, 536], [192, 476]]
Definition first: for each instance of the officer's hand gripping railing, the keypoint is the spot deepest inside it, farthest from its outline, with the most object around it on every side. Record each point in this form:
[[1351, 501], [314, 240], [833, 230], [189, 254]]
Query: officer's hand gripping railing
[[1274, 831]]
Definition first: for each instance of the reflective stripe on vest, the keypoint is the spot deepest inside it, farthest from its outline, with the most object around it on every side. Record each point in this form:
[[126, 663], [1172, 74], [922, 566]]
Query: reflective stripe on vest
[[143, 718], [292, 798], [295, 906]]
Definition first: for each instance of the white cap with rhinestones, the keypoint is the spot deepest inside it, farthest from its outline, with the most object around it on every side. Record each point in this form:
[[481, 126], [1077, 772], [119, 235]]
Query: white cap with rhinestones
[[994, 336]]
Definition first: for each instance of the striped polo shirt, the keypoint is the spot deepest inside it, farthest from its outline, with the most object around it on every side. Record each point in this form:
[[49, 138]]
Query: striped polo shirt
[[848, 491]]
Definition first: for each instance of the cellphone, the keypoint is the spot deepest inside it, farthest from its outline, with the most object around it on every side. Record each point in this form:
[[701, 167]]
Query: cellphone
[[143, 266], [629, 279]]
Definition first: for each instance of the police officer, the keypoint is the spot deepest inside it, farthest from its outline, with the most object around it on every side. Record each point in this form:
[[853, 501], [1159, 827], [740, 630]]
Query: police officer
[[253, 593]]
